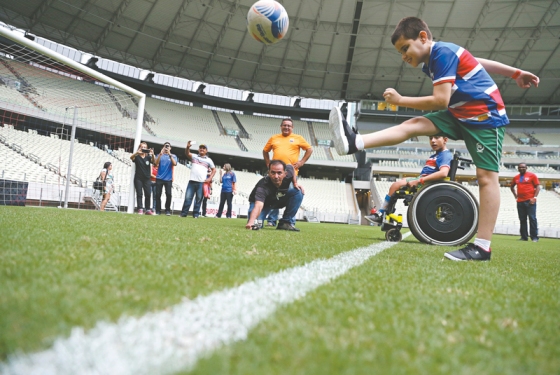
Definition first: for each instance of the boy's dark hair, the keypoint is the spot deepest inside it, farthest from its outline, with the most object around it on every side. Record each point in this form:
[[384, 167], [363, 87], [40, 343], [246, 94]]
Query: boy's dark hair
[[409, 28], [106, 165], [274, 162]]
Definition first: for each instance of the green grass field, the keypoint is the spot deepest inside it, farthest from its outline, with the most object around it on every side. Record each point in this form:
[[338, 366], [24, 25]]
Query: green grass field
[[403, 311]]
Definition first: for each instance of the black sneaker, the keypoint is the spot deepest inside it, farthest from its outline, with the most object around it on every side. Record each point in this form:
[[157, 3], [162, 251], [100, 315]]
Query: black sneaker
[[287, 226], [523, 239], [535, 240], [375, 218], [167, 213], [469, 252], [344, 136]]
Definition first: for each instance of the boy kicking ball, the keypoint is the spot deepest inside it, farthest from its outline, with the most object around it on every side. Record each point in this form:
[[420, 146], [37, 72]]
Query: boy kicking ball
[[470, 108]]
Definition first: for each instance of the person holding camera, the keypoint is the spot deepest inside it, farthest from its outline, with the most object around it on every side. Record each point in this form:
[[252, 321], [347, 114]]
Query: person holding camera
[[143, 158], [165, 163], [202, 171], [228, 180]]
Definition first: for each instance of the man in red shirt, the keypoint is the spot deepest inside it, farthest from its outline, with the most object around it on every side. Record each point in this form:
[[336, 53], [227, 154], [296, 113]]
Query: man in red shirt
[[528, 187]]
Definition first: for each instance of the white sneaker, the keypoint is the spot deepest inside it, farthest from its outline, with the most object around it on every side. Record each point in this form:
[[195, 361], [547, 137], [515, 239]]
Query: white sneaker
[[344, 137]]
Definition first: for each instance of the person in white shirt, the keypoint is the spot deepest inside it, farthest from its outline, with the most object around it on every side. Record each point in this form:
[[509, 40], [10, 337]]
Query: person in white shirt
[[201, 164]]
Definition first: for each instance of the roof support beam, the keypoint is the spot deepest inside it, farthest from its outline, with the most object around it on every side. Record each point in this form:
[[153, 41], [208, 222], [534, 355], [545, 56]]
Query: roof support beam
[[332, 42], [36, 16], [232, 11], [380, 49], [198, 31], [548, 15], [111, 24], [478, 24], [310, 45], [170, 31], [77, 18], [403, 64], [286, 49], [351, 46], [141, 28]]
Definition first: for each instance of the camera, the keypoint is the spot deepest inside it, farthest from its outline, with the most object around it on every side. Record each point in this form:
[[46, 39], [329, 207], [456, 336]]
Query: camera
[[146, 151]]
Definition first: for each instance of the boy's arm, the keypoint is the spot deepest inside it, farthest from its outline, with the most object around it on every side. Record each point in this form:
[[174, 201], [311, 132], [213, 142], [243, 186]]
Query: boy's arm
[[439, 175], [437, 101], [523, 78]]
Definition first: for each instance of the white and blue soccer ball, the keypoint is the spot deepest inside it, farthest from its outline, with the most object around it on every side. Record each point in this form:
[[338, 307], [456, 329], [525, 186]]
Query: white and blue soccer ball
[[267, 21]]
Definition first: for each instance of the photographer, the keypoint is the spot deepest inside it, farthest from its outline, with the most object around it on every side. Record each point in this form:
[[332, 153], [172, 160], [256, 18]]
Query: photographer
[[143, 158], [165, 162]]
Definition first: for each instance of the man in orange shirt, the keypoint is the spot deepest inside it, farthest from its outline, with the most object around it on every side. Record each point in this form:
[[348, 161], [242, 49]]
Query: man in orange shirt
[[286, 146]]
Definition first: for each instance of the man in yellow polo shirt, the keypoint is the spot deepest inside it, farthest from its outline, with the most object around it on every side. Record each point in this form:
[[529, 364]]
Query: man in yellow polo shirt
[[286, 146]]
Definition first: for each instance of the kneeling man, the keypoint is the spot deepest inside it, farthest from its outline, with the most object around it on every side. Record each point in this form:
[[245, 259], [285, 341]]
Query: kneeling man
[[276, 191]]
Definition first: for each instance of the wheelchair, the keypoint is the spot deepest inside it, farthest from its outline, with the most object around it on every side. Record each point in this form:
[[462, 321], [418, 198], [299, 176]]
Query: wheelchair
[[440, 213]]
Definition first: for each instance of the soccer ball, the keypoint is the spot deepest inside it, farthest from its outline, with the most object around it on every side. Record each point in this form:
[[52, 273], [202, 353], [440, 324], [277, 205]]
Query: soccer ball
[[267, 21]]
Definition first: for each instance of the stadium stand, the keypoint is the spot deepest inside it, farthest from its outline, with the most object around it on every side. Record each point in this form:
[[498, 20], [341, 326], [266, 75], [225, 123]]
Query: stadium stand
[[178, 122]]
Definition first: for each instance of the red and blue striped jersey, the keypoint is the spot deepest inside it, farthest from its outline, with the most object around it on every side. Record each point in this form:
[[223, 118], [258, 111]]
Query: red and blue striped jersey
[[475, 98], [436, 161]]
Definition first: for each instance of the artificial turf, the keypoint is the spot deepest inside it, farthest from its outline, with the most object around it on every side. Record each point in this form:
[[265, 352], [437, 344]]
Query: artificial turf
[[405, 311]]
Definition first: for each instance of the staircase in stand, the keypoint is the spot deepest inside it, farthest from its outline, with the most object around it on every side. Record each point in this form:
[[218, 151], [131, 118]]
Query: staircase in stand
[[312, 134], [26, 89], [219, 122], [243, 133]]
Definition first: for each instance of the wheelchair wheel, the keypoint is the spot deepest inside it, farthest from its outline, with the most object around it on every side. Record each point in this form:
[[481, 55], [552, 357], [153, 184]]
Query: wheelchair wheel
[[393, 235], [443, 213]]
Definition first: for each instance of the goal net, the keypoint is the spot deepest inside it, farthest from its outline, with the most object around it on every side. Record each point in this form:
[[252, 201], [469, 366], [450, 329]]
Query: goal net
[[60, 122]]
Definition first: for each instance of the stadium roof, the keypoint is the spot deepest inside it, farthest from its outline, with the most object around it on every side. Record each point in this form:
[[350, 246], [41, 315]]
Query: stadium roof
[[334, 49]]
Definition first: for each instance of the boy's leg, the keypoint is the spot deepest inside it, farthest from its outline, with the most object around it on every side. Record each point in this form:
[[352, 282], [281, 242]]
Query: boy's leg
[[485, 148], [397, 185], [347, 141], [489, 192]]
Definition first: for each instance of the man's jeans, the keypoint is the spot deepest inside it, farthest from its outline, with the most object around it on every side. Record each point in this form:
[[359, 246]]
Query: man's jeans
[[525, 209], [292, 201], [194, 190]]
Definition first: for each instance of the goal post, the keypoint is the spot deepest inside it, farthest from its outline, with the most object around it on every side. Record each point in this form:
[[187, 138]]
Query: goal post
[[40, 84]]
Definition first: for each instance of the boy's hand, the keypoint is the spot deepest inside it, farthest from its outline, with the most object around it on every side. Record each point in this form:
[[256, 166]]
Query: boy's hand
[[413, 183], [392, 96], [527, 79]]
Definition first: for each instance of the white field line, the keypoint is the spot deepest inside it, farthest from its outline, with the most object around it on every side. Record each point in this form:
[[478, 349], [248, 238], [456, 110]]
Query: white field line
[[174, 339]]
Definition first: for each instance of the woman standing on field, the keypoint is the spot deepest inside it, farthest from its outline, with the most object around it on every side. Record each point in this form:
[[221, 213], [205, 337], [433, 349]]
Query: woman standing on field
[[107, 176]]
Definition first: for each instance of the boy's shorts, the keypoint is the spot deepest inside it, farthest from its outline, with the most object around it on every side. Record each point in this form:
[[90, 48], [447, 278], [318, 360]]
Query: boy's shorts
[[484, 145]]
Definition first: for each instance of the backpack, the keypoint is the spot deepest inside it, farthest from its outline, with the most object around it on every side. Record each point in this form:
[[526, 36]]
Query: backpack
[[99, 184]]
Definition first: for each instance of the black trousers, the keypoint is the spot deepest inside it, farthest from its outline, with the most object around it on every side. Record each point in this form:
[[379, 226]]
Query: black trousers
[[145, 185], [160, 184]]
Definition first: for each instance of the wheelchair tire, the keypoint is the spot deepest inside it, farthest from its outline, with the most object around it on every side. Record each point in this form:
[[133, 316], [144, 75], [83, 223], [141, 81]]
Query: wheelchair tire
[[393, 235], [443, 213]]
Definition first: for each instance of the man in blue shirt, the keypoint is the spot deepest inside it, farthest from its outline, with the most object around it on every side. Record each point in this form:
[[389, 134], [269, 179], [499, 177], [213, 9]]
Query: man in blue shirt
[[165, 162]]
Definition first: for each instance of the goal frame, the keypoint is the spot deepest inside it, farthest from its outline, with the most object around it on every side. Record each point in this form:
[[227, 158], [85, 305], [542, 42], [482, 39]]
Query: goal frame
[[16, 37]]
